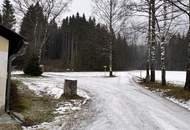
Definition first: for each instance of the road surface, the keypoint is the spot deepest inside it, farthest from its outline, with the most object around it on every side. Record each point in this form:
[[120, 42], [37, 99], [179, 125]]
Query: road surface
[[121, 104]]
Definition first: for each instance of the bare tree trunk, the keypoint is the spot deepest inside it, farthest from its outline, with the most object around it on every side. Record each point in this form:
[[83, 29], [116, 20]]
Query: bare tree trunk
[[185, 8], [111, 40], [153, 42], [44, 40], [110, 58], [68, 48], [187, 83], [163, 58], [148, 45], [72, 52], [163, 47], [147, 69]]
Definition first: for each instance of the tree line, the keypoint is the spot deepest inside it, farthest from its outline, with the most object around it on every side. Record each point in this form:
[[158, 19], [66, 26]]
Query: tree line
[[78, 44], [81, 44]]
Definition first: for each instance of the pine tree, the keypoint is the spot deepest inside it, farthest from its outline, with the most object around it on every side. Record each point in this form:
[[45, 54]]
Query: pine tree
[[8, 17], [0, 18], [52, 41]]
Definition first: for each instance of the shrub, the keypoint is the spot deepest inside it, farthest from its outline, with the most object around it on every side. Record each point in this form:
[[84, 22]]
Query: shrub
[[32, 66]]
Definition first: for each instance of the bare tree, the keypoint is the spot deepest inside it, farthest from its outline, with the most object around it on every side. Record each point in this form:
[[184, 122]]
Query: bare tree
[[162, 15], [163, 45], [164, 25], [113, 13], [52, 10], [150, 7], [184, 6], [148, 43], [153, 40]]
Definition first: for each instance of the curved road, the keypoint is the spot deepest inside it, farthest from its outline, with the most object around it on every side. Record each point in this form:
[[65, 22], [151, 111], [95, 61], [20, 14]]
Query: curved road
[[121, 104]]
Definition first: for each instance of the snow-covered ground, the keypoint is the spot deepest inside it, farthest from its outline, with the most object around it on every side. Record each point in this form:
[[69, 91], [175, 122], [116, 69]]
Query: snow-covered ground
[[174, 77], [52, 86], [117, 103]]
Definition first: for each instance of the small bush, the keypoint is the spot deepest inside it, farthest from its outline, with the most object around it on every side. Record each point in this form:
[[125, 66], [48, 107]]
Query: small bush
[[32, 66]]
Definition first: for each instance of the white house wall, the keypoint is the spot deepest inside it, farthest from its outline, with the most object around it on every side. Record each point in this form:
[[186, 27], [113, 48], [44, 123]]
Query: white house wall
[[4, 45]]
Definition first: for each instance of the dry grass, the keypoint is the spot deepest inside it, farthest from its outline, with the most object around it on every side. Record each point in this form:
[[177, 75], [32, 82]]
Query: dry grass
[[179, 93], [35, 109], [18, 102], [40, 111], [170, 90]]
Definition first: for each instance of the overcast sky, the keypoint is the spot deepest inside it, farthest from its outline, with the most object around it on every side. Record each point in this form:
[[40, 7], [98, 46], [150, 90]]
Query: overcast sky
[[81, 6]]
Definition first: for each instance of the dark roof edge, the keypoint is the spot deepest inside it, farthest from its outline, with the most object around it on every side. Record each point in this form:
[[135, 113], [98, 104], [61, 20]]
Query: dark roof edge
[[1, 26]]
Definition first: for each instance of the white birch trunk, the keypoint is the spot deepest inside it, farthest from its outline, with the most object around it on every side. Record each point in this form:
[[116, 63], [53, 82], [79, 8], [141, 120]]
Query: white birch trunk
[[149, 45], [153, 41], [163, 60], [111, 40], [187, 83], [163, 46]]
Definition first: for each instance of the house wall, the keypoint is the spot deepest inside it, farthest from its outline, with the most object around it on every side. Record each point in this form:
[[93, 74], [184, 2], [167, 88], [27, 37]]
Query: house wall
[[4, 45]]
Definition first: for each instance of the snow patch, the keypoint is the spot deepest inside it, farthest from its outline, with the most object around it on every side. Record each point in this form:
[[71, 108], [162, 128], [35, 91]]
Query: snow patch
[[185, 104], [53, 86], [173, 77]]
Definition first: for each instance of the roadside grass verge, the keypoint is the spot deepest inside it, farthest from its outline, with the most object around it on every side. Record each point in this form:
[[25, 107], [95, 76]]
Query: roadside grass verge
[[169, 90], [41, 110], [34, 109], [18, 102]]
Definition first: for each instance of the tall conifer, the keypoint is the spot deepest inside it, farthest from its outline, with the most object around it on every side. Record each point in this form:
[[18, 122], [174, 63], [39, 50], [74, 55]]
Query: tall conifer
[[8, 17]]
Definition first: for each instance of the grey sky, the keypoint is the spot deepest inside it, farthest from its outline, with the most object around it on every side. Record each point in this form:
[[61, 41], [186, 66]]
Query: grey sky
[[81, 6]]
